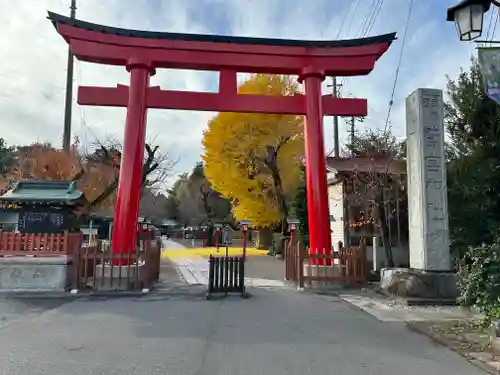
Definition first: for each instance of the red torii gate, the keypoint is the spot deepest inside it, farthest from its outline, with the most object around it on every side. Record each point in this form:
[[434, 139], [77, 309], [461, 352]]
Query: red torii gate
[[142, 52]]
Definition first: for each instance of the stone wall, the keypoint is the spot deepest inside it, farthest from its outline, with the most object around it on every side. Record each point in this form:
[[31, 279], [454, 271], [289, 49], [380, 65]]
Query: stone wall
[[30, 274]]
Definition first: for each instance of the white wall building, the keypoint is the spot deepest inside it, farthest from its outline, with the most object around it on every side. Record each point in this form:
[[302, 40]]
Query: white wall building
[[341, 224]]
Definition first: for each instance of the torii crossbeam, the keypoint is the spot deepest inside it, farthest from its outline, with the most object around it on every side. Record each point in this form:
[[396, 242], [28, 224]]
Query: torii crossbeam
[[143, 52]]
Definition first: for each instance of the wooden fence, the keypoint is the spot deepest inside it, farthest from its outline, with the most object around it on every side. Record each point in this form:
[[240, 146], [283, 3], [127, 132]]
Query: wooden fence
[[226, 274], [39, 244], [99, 267], [94, 267], [344, 267]]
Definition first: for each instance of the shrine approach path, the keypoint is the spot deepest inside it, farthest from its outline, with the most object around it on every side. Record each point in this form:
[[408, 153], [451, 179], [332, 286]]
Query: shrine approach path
[[274, 332]]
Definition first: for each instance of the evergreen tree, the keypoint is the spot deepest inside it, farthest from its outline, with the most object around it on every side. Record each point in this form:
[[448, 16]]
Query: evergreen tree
[[473, 123]]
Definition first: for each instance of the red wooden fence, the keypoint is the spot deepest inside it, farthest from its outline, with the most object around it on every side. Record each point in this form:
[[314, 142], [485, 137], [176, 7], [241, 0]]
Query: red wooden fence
[[348, 266], [96, 269], [92, 266], [39, 244]]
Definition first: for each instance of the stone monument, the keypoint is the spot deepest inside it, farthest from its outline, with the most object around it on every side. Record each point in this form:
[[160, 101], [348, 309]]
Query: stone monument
[[430, 275]]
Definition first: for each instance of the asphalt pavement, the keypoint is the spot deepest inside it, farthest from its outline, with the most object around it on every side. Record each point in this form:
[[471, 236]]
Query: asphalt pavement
[[273, 333], [14, 310]]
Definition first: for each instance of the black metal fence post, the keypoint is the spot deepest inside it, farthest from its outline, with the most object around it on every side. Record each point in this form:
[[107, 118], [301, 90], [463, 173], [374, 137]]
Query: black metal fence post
[[211, 262], [226, 275]]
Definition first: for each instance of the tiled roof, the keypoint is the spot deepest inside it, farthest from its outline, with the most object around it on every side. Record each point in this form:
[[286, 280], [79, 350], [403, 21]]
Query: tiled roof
[[59, 19], [35, 191], [366, 165]]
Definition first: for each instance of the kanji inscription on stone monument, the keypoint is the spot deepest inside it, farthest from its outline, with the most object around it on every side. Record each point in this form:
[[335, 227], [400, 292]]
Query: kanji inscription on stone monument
[[427, 192]]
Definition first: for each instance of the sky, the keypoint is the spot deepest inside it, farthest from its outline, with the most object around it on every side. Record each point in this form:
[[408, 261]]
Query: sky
[[33, 62]]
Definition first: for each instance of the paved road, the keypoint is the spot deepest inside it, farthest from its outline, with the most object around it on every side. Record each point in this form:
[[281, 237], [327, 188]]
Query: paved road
[[260, 271], [274, 333], [171, 244], [14, 310]]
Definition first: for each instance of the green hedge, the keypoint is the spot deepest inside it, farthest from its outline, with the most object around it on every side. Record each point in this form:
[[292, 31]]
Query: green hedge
[[479, 280]]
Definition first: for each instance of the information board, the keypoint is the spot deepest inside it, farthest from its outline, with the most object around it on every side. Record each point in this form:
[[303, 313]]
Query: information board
[[43, 221]]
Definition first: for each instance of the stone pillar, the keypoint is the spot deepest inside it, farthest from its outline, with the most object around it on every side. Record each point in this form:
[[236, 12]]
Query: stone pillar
[[427, 190], [375, 253], [430, 278]]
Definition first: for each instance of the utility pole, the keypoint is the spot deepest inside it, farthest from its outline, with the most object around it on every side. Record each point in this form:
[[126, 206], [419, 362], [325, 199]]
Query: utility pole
[[68, 106], [336, 145], [353, 124]]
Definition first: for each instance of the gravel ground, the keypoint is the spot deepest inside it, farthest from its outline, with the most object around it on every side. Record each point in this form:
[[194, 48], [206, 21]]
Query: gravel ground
[[468, 338]]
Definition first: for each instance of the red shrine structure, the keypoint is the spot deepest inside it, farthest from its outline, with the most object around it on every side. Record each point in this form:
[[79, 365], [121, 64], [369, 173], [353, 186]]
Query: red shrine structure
[[142, 52]]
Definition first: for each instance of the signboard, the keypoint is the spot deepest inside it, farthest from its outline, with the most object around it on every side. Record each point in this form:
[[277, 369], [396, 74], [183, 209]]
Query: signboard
[[40, 221], [489, 64], [227, 237], [244, 225], [88, 231]]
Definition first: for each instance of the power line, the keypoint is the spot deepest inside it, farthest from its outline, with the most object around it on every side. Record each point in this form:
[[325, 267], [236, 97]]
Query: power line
[[335, 85], [367, 16], [405, 34], [370, 109], [367, 24], [355, 9], [374, 18], [83, 122], [346, 12], [81, 108], [370, 20]]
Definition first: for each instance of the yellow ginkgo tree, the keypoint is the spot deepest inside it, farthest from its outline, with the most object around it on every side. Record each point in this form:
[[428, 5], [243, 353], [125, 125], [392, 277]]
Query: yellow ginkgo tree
[[254, 159]]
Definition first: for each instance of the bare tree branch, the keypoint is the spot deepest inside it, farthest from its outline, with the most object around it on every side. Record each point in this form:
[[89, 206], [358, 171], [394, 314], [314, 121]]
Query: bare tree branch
[[156, 168]]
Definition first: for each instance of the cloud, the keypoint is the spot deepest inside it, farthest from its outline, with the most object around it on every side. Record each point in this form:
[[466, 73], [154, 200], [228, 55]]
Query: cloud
[[33, 67]]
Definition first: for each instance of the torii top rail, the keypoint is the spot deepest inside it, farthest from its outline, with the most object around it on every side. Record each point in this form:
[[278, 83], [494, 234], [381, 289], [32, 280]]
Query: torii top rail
[[228, 55]]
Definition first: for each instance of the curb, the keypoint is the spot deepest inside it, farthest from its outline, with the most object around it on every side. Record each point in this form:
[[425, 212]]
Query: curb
[[39, 295], [411, 301], [179, 290], [69, 295]]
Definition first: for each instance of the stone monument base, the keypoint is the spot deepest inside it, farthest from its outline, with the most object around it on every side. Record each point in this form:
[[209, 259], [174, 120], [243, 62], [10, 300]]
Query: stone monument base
[[34, 274], [322, 271], [418, 286], [110, 277]]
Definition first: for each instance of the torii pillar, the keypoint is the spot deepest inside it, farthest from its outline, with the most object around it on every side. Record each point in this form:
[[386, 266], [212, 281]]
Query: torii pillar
[[124, 238], [317, 190]]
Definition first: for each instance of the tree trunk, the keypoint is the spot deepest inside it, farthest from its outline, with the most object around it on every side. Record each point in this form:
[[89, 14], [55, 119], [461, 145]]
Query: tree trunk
[[280, 196], [210, 236], [271, 163], [384, 234], [264, 238]]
